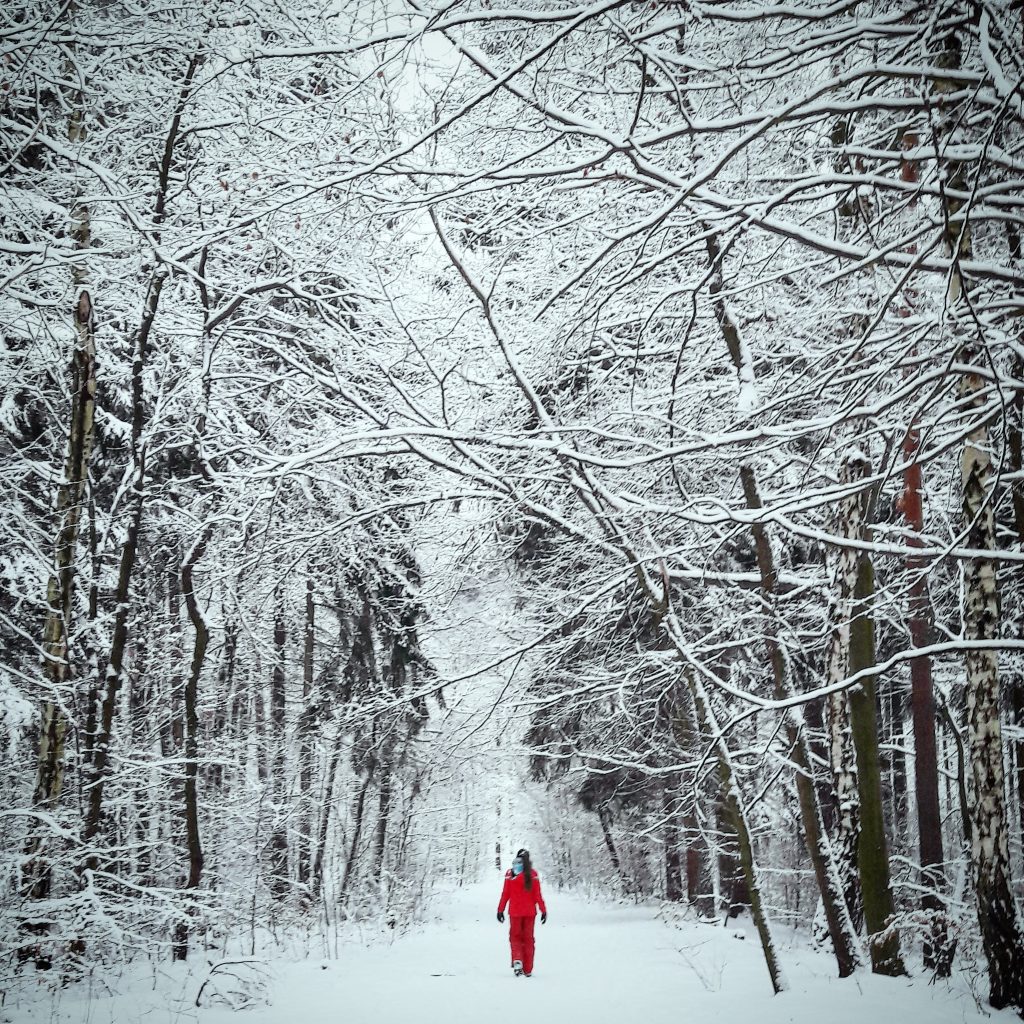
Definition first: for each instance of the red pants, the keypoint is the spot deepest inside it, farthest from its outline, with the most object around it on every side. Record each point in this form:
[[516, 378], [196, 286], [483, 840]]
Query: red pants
[[520, 938]]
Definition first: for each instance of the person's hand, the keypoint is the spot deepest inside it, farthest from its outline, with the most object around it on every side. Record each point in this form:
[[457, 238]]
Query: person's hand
[[501, 917], [544, 918]]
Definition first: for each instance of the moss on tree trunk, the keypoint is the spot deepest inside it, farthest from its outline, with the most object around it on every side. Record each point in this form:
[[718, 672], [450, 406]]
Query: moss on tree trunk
[[872, 847]]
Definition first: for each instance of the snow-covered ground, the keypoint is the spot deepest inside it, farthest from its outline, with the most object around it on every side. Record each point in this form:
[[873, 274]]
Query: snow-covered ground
[[596, 962]]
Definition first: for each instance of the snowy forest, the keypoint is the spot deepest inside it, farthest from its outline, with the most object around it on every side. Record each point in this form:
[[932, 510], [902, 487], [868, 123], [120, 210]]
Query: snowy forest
[[433, 427]]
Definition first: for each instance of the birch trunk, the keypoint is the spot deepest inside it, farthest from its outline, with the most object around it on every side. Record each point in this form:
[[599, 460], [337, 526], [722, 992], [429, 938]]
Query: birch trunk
[[605, 818], [1001, 935], [997, 915], [69, 504], [1015, 459], [1015, 450], [842, 756]]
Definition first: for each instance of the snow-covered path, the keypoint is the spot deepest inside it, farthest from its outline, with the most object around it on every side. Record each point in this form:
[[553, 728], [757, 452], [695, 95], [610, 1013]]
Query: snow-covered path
[[457, 971], [596, 962], [603, 963]]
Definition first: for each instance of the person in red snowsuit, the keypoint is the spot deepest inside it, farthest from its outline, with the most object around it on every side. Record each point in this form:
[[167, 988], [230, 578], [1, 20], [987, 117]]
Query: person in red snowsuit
[[521, 893]]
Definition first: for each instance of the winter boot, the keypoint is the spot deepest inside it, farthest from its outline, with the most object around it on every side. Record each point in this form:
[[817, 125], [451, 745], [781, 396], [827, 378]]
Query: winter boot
[[517, 966]]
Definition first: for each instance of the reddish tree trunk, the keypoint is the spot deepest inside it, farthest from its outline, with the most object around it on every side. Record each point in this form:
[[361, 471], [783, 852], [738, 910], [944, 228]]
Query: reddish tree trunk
[[922, 703]]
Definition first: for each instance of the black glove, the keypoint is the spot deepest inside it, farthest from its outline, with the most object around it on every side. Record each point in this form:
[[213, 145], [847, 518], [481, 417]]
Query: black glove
[[501, 916], [544, 918]]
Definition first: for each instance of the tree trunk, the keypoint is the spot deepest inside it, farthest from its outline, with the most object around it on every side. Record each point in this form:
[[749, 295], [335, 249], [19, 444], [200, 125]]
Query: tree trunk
[[750, 871], [1015, 458], [840, 927], [698, 885], [938, 954], [673, 870], [358, 817], [708, 722], [997, 915], [141, 733], [114, 676], [1015, 446], [896, 764], [673, 853], [872, 848], [60, 587], [827, 875], [317, 868], [259, 727], [407, 819], [605, 818], [193, 840], [224, 714], [306, 809], [90, 652], [1001, 935], [842, 755], [279, 834], [122, 594], [1017, 706], [383, 810], [129, 549], [730, 870]]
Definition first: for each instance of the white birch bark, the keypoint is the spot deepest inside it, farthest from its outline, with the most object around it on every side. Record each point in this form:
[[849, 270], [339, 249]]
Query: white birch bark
[[71, 496], [842, 758], [997, 914]]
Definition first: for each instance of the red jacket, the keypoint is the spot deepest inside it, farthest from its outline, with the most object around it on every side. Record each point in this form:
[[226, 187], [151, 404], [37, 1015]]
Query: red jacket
[[522, 902]]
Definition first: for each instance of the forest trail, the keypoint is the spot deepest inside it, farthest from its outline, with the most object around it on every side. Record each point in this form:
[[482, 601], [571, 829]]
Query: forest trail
[[601, 963], [597, 963]]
